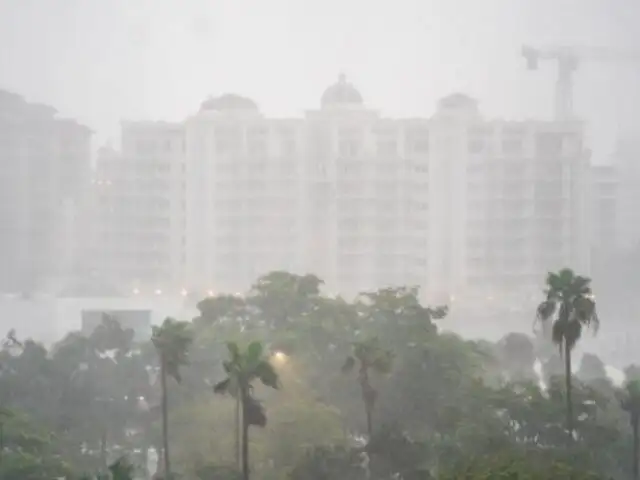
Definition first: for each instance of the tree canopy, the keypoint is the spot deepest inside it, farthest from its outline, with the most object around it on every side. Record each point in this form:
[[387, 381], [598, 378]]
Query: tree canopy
[[443, 406]]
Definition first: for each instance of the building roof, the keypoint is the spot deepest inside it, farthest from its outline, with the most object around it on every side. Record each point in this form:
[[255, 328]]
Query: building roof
[[341, 93], [458, 100], [228, 102]]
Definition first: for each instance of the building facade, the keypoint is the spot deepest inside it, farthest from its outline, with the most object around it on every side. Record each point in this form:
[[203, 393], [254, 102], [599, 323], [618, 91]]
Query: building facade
[[615, 197], [45, 164], [138, 227], [453, 202], [627, 167]]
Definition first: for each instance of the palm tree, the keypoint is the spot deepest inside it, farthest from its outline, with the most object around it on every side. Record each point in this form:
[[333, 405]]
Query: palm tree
[[122, 469], [570, 306], [171, 341], [631, 404], [371, 357], [242, 368]]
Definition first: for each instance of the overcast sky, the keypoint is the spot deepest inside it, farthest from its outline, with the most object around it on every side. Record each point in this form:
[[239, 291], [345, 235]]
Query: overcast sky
[[106, 60]]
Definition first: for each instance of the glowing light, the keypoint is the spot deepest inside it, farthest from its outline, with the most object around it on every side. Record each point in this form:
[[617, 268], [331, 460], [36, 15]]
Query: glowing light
[[184, 292], [158, 292], [452, 298], [280, 357], [210, 293], [136, 291]]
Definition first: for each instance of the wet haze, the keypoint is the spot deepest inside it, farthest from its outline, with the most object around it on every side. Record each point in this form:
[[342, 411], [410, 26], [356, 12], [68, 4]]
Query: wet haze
[[156, 59]]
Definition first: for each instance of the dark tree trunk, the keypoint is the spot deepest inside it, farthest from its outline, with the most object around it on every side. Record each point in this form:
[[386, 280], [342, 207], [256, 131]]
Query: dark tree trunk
[[245, 435], [368, 397], [238, 427], [636, 441], [569, 388], [1, 439], [165, 421], [145, 462], [103, 449]]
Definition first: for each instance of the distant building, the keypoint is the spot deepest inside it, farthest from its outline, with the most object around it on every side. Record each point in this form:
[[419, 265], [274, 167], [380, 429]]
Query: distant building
[[605, 215], [137, 232], [45, 166], [626, 161], [137, 320], [615, 197], [449, 202]]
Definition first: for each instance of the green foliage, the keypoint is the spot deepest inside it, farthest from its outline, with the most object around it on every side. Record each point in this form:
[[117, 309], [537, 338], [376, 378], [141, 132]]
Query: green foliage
[[457, 408], [329, 463], [172, 341], [569, 304]]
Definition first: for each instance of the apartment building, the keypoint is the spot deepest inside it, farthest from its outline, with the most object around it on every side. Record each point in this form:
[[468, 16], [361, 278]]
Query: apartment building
[[614, 194], [522, 193], [137, 239], [453, 202], [45, 166], [627, 168], [605, 217]]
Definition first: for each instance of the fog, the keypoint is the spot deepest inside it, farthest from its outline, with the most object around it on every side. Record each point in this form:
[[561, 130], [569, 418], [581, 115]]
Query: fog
[[252, 167]]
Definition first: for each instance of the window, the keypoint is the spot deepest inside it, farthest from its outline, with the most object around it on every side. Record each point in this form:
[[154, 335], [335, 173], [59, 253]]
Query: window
[[387, 147], [418, 140], [227, 140], [512, 145], [549, 144], [349, 140], [348, 148], [476, 145]]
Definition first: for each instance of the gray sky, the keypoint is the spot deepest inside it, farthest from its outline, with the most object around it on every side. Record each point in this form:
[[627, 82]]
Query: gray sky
[[105, 60]]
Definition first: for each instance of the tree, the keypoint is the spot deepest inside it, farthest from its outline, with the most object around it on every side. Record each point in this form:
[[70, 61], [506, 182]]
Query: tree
[[570, 305], [242, 368], [591, 368], [631, 404], [282, 297], [516, 353], [371, 357], [171, 341], [121, 469], [29, 451]]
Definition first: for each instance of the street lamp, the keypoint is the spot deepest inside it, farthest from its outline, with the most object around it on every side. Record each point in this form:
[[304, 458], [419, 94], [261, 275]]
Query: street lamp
[[280, 357]]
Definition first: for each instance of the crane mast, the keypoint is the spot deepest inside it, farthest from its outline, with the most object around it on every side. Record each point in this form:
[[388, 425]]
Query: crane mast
[[568, 60]]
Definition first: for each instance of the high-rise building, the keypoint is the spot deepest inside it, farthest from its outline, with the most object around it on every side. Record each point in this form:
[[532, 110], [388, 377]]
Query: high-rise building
[[627, 167], [605, 221], [45, 166], [453, 202], [137, 232], [614, 202]]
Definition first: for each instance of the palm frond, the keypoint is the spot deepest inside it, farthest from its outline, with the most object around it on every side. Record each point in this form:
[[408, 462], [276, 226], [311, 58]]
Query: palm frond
[[222, 387], [254, 353], [546, 310], [349, 363], [265, 372]]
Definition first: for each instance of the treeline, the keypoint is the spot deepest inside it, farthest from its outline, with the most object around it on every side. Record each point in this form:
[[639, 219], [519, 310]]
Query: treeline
[[287, 383]]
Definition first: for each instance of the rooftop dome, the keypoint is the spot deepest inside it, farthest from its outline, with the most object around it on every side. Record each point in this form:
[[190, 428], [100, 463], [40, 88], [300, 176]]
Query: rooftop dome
[[458, 100], [341, 93], [227, 102]]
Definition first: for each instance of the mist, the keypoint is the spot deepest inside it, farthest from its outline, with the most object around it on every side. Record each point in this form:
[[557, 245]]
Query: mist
[[408, 222]]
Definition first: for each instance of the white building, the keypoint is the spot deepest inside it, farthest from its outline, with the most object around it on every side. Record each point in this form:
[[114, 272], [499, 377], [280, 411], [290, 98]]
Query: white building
[[45, 165], [450, 203], [615, 197], [137, 239], [627, 167], [605, 215]]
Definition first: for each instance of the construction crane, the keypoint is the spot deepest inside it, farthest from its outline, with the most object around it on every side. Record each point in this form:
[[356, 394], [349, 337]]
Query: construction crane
[[568, 59]]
